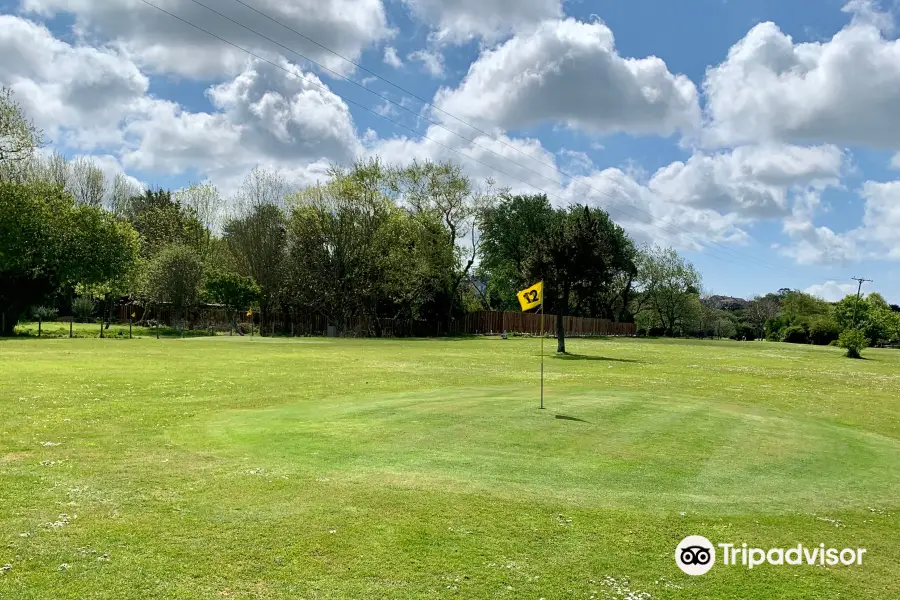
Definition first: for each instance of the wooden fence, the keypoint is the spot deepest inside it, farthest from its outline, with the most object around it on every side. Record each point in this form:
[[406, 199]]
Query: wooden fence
[[216, 318], [516, 322]]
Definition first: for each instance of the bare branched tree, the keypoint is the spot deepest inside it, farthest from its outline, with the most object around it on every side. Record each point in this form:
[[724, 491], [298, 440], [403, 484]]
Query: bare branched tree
[[261, 187], [206, 203], [19, 137], [55, 169], [87, 183], [120, 193]]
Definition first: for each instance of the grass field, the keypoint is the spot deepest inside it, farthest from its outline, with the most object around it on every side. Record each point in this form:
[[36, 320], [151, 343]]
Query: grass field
[[276, 468]]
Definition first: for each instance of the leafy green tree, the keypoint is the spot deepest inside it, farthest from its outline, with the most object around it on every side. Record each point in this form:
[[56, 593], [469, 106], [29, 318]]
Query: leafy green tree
[[577, 258], [854, 341], [510, 230], [83, 308], [255, 234], [353, 253], [46, 243], [760, 310], [584, 259], [872, 316], [667, 290], [443, 194], [175, 276], [104, 253], [236, 292], [33, 246], [203, 202], [824, 330], [161, 221], [799, 310], [795, 334]]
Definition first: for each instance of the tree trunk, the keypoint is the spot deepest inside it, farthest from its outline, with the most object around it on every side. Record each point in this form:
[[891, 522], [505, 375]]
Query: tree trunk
[[561, 309]]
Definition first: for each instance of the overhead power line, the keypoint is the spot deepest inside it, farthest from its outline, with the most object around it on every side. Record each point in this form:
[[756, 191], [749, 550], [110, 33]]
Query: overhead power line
[[573, 178], [417, 133], [427, 103], [858, 294]]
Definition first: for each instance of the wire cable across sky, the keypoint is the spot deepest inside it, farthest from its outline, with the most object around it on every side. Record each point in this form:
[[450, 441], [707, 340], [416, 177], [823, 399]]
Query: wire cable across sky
[[701, 241]]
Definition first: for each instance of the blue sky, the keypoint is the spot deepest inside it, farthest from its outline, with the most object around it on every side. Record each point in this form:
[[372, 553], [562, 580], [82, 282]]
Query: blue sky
[[768, 167]]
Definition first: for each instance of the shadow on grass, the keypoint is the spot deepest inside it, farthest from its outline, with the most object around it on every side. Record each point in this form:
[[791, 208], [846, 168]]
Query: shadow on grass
[[568, 356], [568, 418]]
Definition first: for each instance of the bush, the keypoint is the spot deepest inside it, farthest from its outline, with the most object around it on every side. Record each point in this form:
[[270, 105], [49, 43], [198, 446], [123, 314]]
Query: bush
[[43, 313], [83, 308], [823, 331], [854, 341], [795, 334]]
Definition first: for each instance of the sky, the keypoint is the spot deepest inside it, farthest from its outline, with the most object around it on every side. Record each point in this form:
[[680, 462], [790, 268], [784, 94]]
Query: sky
[[761, 138]]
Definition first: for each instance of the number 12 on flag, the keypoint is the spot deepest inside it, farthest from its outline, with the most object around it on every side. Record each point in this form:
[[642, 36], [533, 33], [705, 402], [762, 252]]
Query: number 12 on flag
[[533, 296]]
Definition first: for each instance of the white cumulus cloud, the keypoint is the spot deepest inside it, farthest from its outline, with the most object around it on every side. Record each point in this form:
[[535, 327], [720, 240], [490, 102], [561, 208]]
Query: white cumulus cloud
[[570, 72], [845, 90], [462, 20], [831, 291], [162, 44]]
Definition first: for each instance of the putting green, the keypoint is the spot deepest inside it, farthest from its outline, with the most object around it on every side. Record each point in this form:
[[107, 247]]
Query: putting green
[[237, 468]]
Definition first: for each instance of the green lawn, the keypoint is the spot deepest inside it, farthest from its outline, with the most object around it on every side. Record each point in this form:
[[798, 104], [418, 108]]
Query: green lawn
[[309, 468]]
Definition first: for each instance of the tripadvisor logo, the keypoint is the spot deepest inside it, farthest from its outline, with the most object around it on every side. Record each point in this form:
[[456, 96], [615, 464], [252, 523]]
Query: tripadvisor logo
[[696, 555]]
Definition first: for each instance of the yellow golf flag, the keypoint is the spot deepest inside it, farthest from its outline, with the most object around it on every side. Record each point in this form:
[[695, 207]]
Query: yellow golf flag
[[250, 313], [533, 296]]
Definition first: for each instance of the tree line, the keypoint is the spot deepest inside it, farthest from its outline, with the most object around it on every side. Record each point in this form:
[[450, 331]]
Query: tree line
[[372, 242]]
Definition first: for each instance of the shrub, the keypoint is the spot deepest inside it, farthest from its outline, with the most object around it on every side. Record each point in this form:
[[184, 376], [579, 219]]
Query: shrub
[[795, 334], [823, 331], [854, 341], [82, 308], [43, 313]]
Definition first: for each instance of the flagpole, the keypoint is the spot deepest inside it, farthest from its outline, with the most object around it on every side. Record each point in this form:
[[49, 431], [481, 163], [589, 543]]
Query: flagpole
[[542, 350]]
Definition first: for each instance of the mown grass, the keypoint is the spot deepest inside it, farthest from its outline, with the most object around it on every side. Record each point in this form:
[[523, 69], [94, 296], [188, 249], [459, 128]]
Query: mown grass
[[60, 329], [277, 468]]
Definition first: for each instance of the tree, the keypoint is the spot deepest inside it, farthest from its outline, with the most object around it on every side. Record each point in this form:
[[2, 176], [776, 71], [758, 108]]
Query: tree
[[580, 254], [443, 193], [256, 244], [121, 191], [235, 292], [668, 290], [854, 341], [509, 231], [760, 310], [353, 253], [714, 322], [205, 204], [104, 254], [255, 236], [823, 330], [584, 259], [161, 221], [46, 243], [871, 315], [19, 137], [86, 183], [175, 276]]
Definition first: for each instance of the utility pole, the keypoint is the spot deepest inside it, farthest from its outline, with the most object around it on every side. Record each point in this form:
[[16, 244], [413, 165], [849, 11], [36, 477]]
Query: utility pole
[[858, 293]]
